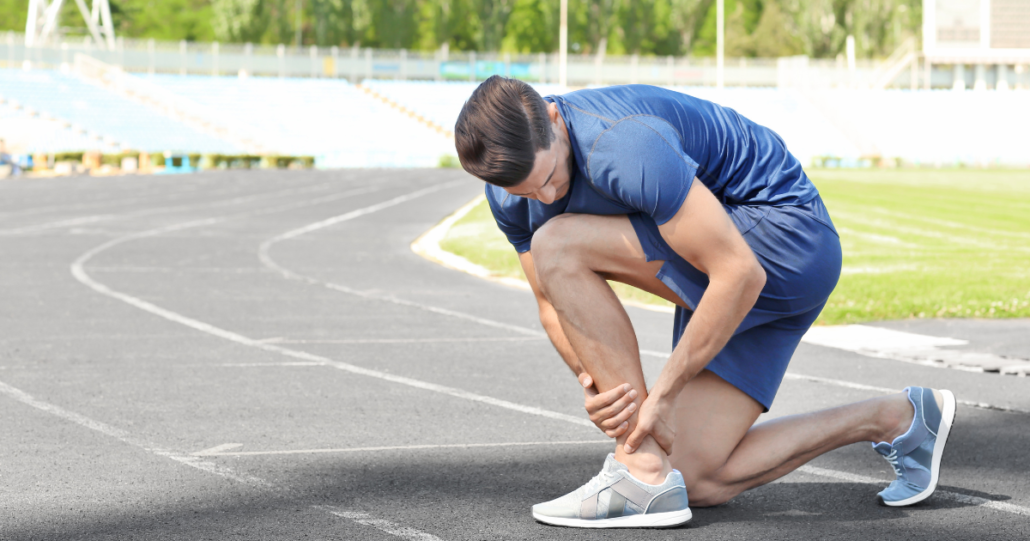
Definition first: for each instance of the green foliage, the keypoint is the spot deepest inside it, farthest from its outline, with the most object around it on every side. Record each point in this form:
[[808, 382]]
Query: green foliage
[[763, 28], [449, 161], [13, 14], [532, 27]]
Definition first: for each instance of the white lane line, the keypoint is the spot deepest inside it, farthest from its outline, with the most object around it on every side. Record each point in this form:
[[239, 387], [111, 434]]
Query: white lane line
[[941, 494], [266, 259], [58, 224], [251, 365], [428, 246], [885, 390], [217, 451], [80, 274], [382, 525], [125, 437], [148, 212], [194, 461], [403, 340], [223, 203], [228, 270]]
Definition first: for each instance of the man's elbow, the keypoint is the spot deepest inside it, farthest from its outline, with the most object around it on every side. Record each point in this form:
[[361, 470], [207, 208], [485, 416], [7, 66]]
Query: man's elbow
[[754, 280]]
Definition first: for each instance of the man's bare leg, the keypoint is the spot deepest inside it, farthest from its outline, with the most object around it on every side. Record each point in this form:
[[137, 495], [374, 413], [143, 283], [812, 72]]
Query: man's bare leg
[[721, 454], [717, 449], [573, 255]]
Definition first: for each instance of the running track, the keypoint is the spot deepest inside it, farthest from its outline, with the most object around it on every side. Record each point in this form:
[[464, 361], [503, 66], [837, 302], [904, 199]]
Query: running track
[[259, 355]]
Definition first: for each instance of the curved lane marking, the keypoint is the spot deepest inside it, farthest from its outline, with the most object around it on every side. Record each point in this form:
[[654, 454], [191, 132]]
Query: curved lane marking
[[80, 274], [151, 211], [78, 271]]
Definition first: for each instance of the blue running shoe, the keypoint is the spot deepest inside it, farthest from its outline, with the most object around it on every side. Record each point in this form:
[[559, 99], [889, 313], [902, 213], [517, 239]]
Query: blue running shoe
[[916, 454]]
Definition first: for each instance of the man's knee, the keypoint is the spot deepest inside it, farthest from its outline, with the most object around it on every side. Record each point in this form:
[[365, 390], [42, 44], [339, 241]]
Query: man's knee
[[555, 248], [710, 492]]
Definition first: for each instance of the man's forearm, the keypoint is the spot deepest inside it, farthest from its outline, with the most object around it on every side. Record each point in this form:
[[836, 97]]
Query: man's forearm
[[720, 312]]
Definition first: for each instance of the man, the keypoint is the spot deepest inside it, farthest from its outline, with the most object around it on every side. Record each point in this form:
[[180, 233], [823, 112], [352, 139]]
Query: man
[[700, 206]]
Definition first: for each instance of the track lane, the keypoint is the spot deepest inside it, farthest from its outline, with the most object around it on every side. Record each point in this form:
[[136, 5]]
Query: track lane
[[454, 482]]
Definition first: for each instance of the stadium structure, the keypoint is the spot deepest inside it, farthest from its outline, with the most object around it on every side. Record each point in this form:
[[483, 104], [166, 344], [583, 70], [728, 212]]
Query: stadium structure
[[959, 99]]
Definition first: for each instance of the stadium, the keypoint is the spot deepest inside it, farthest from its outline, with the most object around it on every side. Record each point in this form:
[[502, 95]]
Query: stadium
[[251, 292]]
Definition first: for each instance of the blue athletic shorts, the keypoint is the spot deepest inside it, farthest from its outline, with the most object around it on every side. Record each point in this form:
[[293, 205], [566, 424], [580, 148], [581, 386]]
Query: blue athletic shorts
[[800, 251]]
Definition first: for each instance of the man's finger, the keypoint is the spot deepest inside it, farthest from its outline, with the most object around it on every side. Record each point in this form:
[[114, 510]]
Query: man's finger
[[616, 432], [622, 417], [618, 406], [608, 397], [636, 438], [586, 381]]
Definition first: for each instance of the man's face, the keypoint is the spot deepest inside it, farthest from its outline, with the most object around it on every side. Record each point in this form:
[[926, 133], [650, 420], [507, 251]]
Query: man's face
[[549, 180]]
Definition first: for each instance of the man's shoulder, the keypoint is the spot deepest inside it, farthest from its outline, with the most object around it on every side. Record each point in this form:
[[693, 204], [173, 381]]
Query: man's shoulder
[[635, 141]]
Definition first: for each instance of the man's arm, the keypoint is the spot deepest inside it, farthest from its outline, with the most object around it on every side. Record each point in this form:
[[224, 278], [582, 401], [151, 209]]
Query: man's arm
[[549, 318], [704, 235]]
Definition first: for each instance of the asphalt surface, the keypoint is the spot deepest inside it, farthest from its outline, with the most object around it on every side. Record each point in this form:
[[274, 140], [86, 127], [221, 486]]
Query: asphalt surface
[[150, 318]]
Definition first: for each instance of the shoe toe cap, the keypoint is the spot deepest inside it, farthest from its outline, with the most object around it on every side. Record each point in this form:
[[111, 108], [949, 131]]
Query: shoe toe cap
[[559, 508]]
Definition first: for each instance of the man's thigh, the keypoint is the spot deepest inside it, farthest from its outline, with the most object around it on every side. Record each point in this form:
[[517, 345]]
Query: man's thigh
[[712, 417], [607, 245]]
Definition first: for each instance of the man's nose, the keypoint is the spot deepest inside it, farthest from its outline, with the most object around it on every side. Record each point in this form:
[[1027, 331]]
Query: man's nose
[[546, 195]]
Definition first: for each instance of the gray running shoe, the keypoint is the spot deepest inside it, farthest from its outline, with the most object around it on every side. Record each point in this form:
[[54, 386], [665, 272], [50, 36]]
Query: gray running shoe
[[616, 499]]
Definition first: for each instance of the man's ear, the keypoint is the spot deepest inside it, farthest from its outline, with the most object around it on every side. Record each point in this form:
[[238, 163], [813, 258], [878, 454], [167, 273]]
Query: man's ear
[[552, 111]]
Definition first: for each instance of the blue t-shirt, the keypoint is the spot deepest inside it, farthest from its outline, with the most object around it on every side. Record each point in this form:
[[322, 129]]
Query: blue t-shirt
[[637, 148]]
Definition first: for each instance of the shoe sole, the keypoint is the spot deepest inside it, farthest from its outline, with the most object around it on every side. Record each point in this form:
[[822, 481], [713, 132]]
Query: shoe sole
[[947, 422], [671, 519]]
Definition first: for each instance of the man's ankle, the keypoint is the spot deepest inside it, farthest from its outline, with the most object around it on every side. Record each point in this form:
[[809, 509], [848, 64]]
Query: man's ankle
[[648, 464]]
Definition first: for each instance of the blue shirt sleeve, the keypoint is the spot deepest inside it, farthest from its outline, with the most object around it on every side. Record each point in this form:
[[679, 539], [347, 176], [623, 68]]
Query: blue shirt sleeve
[[519, 236], [640, 163]]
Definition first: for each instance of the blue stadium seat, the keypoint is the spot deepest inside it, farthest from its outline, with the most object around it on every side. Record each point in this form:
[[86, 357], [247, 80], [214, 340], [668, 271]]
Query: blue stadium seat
[[328, 118], [102, 112]]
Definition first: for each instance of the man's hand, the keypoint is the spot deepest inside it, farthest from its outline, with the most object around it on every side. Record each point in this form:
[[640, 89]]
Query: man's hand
[[610, 411], [655, 420]]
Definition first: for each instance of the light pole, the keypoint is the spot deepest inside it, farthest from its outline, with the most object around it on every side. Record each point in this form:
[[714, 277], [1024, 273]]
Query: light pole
[[563, 45]]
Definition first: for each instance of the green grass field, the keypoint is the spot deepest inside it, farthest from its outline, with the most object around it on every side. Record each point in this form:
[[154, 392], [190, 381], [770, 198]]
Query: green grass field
[[917, 243]]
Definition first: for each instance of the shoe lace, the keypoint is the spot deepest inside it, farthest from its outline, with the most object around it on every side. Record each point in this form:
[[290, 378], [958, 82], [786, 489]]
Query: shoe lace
[[892, 458], [600, 480]]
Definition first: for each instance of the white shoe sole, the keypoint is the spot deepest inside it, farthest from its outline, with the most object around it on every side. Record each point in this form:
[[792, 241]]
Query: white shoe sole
[[655, 520], [947, 421]]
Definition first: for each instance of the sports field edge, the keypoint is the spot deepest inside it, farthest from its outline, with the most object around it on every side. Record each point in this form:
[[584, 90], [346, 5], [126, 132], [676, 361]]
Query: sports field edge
[[917, 244]]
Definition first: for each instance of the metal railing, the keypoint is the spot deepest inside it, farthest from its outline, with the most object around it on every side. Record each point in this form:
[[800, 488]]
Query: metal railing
[[356, 64]]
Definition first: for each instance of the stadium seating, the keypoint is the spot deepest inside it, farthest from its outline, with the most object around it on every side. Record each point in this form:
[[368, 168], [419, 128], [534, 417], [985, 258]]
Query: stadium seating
[[26, 132], [328, 118], [438, 101], [131, 125], [342, 126], [940, 127]]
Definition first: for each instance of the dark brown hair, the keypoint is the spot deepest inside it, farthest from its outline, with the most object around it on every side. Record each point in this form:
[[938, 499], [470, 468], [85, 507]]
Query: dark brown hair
[[500, 129]]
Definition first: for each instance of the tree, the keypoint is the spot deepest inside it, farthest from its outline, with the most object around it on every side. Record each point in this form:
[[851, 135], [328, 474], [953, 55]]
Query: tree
[[531, 27], [774, 35], [238, 20]]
